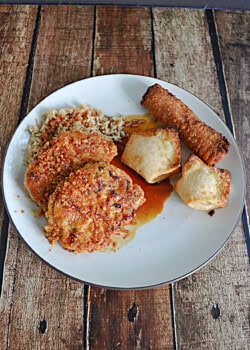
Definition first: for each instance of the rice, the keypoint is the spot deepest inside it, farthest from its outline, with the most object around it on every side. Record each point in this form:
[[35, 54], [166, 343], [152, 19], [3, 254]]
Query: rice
[[82, 118]]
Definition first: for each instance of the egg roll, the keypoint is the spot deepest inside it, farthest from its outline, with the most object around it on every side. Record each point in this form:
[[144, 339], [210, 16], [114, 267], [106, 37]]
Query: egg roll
[[203, 140]]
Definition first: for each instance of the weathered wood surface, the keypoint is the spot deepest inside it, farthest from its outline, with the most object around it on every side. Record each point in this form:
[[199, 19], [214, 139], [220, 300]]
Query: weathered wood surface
[[120, 40], [123, 41], [64, 49], [42, 309], [129, 320], [16, 28], [234, 40], [209, 306]]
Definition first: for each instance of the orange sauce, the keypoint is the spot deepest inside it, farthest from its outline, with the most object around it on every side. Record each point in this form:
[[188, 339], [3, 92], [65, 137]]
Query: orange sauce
[[155, 194], [140, 122]]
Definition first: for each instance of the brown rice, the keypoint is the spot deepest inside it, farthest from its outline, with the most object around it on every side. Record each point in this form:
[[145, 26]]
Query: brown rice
[[83, 118]]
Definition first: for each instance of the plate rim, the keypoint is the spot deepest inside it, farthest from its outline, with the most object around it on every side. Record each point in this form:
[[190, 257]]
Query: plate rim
[[148, 286]]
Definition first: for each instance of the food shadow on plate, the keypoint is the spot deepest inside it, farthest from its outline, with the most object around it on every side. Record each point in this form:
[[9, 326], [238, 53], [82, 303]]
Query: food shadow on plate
[[134, 91], [185, 153]]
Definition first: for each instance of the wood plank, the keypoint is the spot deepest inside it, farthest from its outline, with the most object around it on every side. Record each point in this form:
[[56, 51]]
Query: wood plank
[[234, 40], [123, 41], [45, 307], [129, 319], [214, 300], [211, 308], [16, 28], [64, 50], [126, 319], [210, 305], [184, 54]]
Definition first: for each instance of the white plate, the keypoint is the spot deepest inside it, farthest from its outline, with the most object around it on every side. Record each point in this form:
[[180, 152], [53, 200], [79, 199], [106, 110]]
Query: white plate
[[175, 244]]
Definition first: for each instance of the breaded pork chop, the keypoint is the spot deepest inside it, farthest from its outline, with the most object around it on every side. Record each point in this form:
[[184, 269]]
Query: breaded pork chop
[[58, 157], [90, 206]]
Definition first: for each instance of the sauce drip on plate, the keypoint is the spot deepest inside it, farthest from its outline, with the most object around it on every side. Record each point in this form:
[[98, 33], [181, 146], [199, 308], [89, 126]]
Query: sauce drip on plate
[[155, 194]]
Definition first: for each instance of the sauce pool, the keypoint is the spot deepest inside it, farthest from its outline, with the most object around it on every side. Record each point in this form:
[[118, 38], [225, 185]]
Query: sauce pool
[[155, 194]]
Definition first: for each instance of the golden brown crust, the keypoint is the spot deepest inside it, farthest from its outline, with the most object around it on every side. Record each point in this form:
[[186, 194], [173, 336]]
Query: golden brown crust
[[90, 206], [153, 153], [203, 140], [203, 186], [63, 154]]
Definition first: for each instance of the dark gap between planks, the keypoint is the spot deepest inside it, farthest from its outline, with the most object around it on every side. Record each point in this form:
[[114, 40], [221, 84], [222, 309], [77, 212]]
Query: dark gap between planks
[[29, 72], [22, 113], [171, 286], [86, 286], [3, 245], [174, 333], [93, 44], [219, 68], [246, 231], [225, 103], [85, 315], [239, 5], [153, 42]]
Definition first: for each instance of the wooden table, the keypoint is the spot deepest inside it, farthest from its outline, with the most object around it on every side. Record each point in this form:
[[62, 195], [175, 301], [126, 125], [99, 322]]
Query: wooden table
[[42, 49]]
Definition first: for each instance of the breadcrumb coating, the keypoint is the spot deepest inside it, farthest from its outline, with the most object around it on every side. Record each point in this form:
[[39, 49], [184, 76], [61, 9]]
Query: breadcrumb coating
[[90, 206], [63, 154]]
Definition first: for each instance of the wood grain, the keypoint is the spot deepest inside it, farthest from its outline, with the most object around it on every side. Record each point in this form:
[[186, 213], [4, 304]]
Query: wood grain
[[234, 40], [41, 308], [210, 305], [184, 54], [123, 41], [127, 319], [64, 49], [16, 28]]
